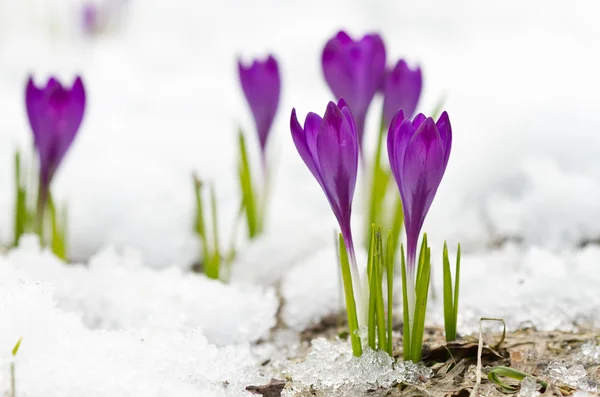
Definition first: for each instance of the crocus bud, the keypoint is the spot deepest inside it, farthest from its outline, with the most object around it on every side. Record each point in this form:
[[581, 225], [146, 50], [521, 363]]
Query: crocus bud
[[262, 85], [401, 90], [55, 114], [329, 148], [418, 151], [354, 70]]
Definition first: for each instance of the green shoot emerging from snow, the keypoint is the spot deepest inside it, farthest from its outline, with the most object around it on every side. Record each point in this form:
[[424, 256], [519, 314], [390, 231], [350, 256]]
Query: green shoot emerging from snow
[[49, 224], [349, 295], [210, 246], [451, 299], [252, 209], [13, 382], [414, 317], [381, 259]]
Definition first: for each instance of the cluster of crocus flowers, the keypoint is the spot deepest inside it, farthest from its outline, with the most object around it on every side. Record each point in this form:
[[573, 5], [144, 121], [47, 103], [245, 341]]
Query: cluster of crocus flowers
[[55, 114], [356, 70], [418, 151]]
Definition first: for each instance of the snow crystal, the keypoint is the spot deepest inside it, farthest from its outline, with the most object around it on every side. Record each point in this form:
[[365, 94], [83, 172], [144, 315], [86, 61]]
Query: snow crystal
[[590, 354], [528, 388], [116, 292], [571, 375], [331, 368]]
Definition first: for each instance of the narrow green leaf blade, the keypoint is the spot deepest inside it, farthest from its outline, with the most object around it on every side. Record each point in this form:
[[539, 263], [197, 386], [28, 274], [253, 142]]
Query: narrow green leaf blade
[[379, 304], [390, 288], [406, 337], [349, 295], [15, 349], [448, 304]]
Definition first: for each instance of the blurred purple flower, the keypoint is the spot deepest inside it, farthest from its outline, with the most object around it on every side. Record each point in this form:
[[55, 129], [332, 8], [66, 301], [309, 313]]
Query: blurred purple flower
[[262, 85], [354, 71], [90, 18], [55, 114], [329, 148], [401, 90], [418, 151]]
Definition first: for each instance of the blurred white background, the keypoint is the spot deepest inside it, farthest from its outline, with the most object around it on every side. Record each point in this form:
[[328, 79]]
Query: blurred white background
[[164, 99]]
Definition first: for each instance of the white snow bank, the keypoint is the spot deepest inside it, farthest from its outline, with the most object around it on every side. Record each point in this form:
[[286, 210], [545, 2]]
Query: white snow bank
[[60, 357], [116, 292], [525, 286]]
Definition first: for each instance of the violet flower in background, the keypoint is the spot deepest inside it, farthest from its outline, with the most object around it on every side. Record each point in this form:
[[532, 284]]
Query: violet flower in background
[[354, 70], [262, 86], [90, 18], [401, 89], [329, 148], [55, 114], [418, 151]]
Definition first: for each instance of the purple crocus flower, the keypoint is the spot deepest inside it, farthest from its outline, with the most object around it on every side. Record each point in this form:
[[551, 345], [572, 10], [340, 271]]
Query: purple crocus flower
[[418, 151], [401, 90], [262, 85], [329, 148], [354, 71], [55, 114]]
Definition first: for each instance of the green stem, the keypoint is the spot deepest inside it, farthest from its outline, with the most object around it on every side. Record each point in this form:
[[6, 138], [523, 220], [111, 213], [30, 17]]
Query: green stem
[[349, 293], [377, 191], [406, 337]]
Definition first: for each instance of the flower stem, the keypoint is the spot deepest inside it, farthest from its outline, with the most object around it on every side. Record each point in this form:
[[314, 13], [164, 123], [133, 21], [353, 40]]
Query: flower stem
[[349, 294]]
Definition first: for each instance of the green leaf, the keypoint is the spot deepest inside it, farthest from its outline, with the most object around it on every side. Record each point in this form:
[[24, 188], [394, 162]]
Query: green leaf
[[15, 349], [20, 201], [406, 337], [378, 276], [248, 193], [212, 267], [496, 372], [379, 182], [390, 288], [422, 293], [456, 288], [372, 287], [57, 242], [449, 324], [200, 225], [349, 294], [398, 220]]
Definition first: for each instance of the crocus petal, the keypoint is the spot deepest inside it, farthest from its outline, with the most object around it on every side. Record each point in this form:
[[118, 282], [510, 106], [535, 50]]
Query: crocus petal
[[445, 130], [423, 170], [354, 71], [402, 90], [301, 138], [55, 115], [418, 153], [262, 86], [400, 132], [338, 158]]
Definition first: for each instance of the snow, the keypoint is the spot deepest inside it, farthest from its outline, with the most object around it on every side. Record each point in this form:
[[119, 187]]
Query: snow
[[331, 368], [164, 101]]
